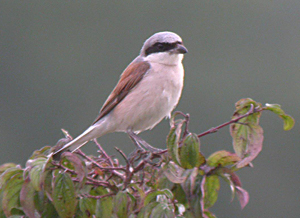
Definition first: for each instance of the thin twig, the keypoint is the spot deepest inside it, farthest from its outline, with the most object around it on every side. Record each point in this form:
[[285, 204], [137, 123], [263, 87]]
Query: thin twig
[[104, 153], [122, 154], [252, 110], [113, 170]]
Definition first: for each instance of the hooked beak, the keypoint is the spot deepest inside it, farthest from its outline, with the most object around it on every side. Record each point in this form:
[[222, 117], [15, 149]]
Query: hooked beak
[[180, 49]]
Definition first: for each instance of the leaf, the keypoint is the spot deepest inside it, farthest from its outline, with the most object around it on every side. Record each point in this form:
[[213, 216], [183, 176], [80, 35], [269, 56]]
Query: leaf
[[235, 184], [189, 214], [8, 174], [27, 199], [44, 206], [209, 214], [223, 158], [174, 173], [231, 178], [122, 205], [87, 206], [243, 196], [247, 134], [211, 190], [189, 184], [179, 194], [173, 141], [35, 168], [11, 193], [43, 152], [64, 196], [152, 195], [192, 189], [104, 205], [288, 121], [162, 210], [146, 211], [77, 164], [6, 166], [190, 155], [255, 142]]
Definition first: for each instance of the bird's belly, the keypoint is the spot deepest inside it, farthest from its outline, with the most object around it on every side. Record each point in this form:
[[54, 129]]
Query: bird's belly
[[157, 96]]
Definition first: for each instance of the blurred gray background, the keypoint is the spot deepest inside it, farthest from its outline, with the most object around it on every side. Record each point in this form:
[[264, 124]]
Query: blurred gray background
[[59, 60]]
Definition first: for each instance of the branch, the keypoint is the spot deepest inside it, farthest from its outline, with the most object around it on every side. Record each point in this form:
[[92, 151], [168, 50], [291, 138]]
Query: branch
[[252, 110]]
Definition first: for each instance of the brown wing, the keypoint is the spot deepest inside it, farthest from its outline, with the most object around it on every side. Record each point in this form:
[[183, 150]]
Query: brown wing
[[129, 78]]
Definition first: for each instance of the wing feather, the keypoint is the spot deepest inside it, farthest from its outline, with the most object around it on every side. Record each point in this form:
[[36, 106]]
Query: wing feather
[[131, 76]]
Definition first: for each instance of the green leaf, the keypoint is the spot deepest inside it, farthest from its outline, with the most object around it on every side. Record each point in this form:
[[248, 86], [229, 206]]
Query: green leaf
[[35, 168], [179, 194], [1, 209], [8, 174], [104, 205], [147, 210], [87, 206], [122, 205], [209, 214], [43, 152], [189, 214], [211, 190], [190, 155], [44, 206], [27, 199], [152, 195], [11, 193], [173, 141], [162, 210], [64, 196], [288, 121], [223, 158], [6, 166]]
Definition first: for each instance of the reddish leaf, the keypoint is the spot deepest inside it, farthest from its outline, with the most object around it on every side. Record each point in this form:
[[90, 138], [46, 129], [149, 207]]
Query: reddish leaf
[[254, 147], [247, 134], [27, 199], [77, 164], [243, 196]]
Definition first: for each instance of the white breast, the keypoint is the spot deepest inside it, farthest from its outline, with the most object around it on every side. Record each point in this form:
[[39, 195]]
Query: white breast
[[153, 98]]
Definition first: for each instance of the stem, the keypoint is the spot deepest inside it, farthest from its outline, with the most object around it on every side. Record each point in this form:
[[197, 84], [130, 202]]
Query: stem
[[104, 153], [252, 110]]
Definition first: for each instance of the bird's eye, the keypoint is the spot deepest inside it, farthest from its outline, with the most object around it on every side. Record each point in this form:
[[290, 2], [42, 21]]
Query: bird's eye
[[160, 46]]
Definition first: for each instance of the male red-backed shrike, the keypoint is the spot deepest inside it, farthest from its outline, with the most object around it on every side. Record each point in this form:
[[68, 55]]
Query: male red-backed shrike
[[148, 90]]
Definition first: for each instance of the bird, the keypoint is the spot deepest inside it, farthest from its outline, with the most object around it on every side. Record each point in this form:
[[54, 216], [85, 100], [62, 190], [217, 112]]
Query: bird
[[148, 90]]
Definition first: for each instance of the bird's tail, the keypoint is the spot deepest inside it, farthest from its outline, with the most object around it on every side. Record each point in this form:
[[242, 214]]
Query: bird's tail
[[76, 143]]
